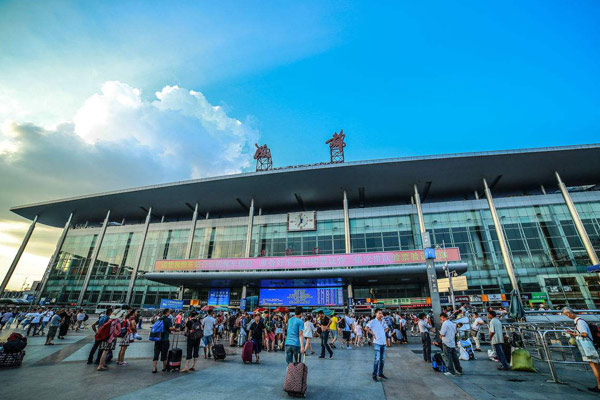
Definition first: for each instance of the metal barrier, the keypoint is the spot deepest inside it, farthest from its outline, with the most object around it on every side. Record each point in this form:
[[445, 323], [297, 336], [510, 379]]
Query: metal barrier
[[548, 343]]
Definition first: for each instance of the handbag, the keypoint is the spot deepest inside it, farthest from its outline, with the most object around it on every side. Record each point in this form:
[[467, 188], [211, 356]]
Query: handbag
[[586, 347]]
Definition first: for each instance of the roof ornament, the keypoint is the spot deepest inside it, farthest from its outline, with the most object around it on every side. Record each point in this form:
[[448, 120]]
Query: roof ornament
[[336, 147], [263, 158]]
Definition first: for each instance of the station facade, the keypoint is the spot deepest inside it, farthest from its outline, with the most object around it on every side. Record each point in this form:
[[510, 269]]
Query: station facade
[[112, 242]]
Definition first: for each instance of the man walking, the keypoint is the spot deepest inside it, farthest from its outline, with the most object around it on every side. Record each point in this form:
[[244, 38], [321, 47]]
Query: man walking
[[497, 339], [424, 329], [346, 325], [475, 327], [95, 326], [324, 322], [294, 341], [208, 324], [448, 334], [378, 328], [582, 329], [35, 322]]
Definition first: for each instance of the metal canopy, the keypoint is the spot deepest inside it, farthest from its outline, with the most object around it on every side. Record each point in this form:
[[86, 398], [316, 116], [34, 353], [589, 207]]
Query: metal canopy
[[368, 183]]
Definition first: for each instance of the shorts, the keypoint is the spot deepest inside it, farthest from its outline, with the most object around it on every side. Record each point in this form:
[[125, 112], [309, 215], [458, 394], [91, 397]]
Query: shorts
[[161, 348], [257, 344], [125, 341], [270, 336], [108, 346], [207, 340], [333, 333], [52, 332], [278, 331], [193, 348], [346, 335]]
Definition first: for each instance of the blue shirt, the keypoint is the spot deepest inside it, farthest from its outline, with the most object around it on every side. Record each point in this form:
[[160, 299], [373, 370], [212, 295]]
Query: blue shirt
[[295, 326]]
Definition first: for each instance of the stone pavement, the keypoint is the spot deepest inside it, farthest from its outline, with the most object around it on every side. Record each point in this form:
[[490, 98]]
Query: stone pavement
[[61, 369]]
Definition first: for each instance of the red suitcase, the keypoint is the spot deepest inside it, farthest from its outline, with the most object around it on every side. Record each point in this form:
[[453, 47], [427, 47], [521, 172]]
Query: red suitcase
[[295, 378], [247, 351]]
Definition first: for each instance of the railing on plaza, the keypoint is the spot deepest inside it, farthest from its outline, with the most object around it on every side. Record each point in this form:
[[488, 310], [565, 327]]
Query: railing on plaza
[[548, 341]]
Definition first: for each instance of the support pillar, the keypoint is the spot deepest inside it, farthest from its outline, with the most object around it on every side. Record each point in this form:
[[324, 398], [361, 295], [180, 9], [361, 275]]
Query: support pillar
[[59, 244], [347, 225], [589, 248], [138, 257], [350, 299], [188, 250], [501, 239], [249, 232], [15, 261], [93, 259], [243, 298], [180, 291], [434, 293]]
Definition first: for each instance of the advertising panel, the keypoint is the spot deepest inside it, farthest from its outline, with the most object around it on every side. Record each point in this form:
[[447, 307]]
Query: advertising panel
[[171, 304], [302, 297], [218, 297], [307, 262]]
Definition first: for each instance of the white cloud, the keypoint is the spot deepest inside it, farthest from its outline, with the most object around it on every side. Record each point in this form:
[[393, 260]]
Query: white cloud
[[117, 139]]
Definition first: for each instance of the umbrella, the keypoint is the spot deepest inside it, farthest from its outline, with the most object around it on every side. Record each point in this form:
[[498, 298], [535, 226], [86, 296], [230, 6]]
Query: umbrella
[[222, 308], [260, 309], [207, 308], [516, 308], [282, 309], [325, 311]]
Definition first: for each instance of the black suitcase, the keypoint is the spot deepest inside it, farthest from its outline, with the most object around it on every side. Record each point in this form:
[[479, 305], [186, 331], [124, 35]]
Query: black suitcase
[[219, 352], [174, 356]]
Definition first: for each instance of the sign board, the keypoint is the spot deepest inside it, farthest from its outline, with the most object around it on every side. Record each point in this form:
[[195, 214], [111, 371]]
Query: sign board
[[29, 298], [459, 283], [475, 298], [539, 296], [243, 304], [593, 268], [307, 262], [218, 297], [302, 297], [495, 297], [171, 304], [426, 239], [429, 253]]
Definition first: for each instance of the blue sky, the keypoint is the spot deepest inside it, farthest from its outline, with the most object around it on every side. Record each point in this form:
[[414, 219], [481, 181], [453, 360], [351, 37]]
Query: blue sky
[[103, 95], [400, 78]]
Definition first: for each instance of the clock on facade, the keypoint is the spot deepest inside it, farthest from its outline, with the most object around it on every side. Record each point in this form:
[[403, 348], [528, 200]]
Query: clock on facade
[[302, 221]]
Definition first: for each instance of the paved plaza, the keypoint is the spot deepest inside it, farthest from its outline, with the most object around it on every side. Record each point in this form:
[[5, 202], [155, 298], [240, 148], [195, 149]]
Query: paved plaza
[[62, 369]]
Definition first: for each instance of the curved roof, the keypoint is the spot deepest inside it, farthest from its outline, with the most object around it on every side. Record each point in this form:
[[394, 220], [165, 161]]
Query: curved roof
[[376, 182]]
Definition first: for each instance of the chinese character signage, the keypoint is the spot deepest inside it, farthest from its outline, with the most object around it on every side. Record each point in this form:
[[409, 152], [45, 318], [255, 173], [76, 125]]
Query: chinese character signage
[[302, 297], [218, 297], [171, 304], [307, 262]]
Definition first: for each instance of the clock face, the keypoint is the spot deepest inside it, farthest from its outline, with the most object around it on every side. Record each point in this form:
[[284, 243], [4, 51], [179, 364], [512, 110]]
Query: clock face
[[302, 221]]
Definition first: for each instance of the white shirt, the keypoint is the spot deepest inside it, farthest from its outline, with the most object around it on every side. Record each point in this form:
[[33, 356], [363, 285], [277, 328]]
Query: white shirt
[[476, 325], [378, 329], [80, 316], [581, 326], [309, 328], [448, 333], [403, 322], [209, 325], [496, 328], [36, 318], [424, 327]]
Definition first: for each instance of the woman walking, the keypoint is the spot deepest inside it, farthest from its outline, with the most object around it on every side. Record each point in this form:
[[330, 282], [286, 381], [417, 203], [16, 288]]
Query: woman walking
[[128, 329], [308, 333]]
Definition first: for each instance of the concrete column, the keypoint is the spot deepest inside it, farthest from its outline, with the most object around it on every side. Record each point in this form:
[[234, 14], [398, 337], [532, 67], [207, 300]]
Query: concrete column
[[93, 260], [61, 241], [188, 250], [138, 257], [15, 261], [501, 239], [347, 225], [350, 298], [243, 304], [249, 232], [589, 248], [434, 293], [180, 290]]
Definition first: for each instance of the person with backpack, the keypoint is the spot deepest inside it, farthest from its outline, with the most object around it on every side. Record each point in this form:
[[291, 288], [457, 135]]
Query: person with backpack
[[159, 334], [109, 334], [583, 335], [194, 333], [257, 329], [128, 329], [324, 324], [95, 327]]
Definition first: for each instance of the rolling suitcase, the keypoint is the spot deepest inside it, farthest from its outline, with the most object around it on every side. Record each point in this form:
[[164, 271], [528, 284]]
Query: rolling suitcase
[[219, 352], [295, 378], [247, 351], [174, 356]]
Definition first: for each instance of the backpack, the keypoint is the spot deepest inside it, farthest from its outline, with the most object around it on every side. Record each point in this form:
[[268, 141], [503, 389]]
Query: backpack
[[438, 363], [342, 323], [104, 332], [124, 326], [594, 330], [156, 331], [196, 331]]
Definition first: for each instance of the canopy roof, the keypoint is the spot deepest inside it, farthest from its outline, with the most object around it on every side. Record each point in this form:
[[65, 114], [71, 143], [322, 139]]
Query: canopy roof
[[370, 183]]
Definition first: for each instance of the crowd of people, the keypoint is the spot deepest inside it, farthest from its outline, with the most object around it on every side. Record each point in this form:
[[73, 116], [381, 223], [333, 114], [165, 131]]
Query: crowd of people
[[297, 334]]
